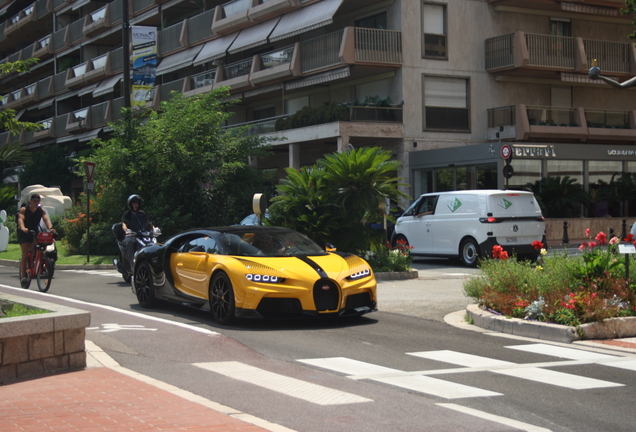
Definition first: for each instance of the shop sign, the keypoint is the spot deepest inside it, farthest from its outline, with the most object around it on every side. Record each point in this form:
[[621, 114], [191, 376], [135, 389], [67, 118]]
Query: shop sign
[[534, 151], [621, 152]]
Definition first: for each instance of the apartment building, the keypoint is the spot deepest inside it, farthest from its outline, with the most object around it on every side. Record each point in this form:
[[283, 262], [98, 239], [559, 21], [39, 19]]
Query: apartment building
[[442, 84]]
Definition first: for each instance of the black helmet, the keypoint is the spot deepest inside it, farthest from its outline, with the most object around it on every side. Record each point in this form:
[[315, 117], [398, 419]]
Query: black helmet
[[134, 198]]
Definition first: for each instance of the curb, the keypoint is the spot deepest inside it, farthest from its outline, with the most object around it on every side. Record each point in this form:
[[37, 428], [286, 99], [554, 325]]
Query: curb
[[612, 328], [11, 263], [383, 276]]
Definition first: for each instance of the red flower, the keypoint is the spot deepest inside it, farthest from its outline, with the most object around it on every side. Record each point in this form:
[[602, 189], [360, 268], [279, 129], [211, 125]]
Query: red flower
[[537, 245], [496, 251], [601, 238], [587, 232], [629, 238]]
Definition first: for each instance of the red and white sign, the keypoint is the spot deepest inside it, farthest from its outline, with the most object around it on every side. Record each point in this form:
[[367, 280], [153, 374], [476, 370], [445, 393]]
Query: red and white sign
[[506, 151], [90, 168]]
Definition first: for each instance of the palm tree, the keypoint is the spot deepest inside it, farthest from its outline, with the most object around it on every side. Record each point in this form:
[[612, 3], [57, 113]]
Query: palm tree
[[559, 197]]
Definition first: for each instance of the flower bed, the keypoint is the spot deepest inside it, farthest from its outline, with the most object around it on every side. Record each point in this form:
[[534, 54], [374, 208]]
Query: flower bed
[[560, 289]]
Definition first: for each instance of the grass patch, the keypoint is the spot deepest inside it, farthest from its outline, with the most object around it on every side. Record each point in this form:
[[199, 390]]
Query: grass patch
[[13, 253], [16, 309]]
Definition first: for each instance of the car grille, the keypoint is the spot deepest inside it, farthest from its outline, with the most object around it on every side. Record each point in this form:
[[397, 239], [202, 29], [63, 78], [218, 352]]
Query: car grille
[[359, 300], [269, 307], [326, 295]]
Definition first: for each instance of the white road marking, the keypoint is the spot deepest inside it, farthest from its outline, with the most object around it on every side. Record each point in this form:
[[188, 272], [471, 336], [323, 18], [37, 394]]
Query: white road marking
[[522, 371], [494, 418], [395, 377], [110, 328], [576, 354], [111, 273], [282, 384]]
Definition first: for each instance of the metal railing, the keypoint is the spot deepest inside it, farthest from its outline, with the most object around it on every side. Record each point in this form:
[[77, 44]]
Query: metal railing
[[321, 51], [257, 127], [499, 52], [376, 114], [278, 57], [237, 69], [607, 119], [502, 116], [203, 79], [235, 6], [200, 27], [551, 116], [550, 51], [378, 46], [169, 38], [612, 56]]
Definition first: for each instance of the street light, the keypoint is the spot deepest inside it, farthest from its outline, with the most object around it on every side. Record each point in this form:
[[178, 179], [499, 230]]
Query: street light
[[595, 73]]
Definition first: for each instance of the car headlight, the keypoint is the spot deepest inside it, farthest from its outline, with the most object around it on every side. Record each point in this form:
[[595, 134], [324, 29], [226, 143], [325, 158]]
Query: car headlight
[[255, 277], [359, 275]]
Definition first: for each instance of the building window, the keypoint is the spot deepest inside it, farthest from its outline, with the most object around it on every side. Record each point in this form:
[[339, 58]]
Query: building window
[[434, 31], [560, 27], [262, 113], [487, 176], [294, 105], [377, 21], [446, 104]]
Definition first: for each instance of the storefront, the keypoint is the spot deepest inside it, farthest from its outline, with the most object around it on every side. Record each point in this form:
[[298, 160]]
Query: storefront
[[481, 166]]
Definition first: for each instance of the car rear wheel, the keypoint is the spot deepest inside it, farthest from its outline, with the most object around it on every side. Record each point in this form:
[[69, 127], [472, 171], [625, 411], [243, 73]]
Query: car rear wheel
[[469, 252], [222, 299], [144, 287]]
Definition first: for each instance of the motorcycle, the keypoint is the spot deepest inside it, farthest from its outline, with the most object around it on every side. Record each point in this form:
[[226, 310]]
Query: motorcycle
[[142, 238]]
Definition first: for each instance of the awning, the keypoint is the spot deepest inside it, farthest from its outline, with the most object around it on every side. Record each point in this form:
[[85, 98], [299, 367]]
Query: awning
[[106, 86], [68, 95], [44, 104], [6, 7], [178, 60], [86, 90], [215, 49], [253, 36], [319, 78], [303, 20], [263, 90], [83, 137], [79, 3]]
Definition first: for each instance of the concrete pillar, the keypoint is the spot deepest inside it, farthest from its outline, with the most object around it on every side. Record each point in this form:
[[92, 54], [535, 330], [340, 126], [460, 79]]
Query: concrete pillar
[[343, 143], [294, 156]]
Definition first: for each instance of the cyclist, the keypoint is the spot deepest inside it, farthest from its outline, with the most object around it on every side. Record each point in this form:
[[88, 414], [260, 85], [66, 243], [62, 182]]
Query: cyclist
[[134, 220], [29, 218]]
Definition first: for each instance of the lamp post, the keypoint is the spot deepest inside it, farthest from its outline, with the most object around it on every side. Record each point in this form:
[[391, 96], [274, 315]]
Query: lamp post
[[595, 73]]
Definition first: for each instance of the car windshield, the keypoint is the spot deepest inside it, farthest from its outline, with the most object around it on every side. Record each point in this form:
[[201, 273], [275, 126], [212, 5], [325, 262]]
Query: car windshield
[[274, 243]]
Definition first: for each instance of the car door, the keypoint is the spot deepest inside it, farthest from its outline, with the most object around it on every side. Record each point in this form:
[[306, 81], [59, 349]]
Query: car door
[[192, 264], [415, 224]]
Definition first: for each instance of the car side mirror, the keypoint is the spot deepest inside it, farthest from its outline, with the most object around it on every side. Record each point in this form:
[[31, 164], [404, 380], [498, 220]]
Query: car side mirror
[[329, 247]]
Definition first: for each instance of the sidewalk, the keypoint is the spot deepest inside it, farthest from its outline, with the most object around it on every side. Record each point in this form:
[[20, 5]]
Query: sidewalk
[[105, 396]]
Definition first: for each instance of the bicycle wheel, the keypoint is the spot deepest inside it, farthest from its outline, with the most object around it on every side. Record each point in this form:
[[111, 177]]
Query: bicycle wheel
[[27, 281], [45, 274]]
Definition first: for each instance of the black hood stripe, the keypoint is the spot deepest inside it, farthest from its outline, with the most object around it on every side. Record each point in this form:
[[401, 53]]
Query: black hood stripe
[[313, 265]]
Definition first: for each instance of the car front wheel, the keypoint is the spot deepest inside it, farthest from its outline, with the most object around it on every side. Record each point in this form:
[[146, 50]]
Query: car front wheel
[[144, 286], [222, 299]]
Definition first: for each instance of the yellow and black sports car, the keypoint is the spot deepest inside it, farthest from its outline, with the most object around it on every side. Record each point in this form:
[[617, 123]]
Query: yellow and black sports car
[[253, 271]]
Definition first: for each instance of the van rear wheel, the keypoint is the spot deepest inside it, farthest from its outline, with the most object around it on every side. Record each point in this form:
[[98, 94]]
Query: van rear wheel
[[469, 252]]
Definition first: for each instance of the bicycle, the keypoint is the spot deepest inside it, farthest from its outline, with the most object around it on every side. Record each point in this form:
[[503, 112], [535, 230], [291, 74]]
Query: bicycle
[[38, 263]]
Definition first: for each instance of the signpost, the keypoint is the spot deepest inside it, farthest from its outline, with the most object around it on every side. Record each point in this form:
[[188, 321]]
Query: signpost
[[506, 154], [90, 168]]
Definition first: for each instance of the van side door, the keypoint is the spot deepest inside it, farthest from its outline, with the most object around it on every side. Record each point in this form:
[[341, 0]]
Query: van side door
[[415, 224]]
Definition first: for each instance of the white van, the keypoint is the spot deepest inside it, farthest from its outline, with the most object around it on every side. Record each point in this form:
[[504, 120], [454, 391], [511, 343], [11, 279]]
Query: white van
[[467, 224]]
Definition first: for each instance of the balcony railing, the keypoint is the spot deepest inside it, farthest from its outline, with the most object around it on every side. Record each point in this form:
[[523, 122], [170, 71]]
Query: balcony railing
[[607, 119], [376, 114], [378, 46], [551, 116], [552, 53], [320, 52], [204, 79], [235, 6], [278, 57], [237, 69], [503, 116]]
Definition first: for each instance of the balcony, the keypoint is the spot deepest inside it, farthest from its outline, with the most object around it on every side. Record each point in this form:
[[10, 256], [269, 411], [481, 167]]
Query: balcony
[[528, 123], [266, 9], [201, 83], [547, 56], [606, 8], [235, 75], [276, 65], [231, 16], [97, 21]]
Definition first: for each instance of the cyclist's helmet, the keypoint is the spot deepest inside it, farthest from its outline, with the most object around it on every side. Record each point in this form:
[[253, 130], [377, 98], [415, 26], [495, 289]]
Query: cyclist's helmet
[[134, 198]]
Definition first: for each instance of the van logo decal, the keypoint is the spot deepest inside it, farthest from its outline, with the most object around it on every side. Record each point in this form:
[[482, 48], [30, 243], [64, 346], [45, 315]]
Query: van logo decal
[[454, 205], [505, 203], [515, 228]]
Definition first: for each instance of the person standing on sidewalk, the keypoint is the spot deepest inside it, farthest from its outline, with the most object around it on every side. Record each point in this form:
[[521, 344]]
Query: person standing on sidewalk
[[29, 218]]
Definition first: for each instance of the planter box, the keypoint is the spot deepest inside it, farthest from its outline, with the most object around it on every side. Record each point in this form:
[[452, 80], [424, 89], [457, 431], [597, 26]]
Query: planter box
[[41, 344]]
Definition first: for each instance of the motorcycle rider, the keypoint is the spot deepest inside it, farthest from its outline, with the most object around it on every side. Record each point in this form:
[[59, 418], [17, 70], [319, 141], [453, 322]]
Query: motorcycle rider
[[134, 220]]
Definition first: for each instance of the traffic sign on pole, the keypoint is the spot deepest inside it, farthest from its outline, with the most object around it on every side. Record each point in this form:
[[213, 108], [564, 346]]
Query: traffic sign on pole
[[90, 168], [506, 151]]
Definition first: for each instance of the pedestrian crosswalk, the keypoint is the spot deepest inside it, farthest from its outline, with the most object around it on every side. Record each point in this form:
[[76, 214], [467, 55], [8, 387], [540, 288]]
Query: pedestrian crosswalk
[[435, 381], [109, 273]]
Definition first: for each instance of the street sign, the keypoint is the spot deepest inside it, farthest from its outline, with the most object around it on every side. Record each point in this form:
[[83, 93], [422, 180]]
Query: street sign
[[90, 168], [506, 151], [508, 171]]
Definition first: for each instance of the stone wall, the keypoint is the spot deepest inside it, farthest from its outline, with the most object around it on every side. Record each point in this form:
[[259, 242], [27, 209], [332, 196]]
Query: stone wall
[[42, 344], [577, 227]]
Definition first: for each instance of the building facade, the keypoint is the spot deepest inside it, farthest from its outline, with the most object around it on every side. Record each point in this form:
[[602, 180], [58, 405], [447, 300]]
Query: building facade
[[442, 84]]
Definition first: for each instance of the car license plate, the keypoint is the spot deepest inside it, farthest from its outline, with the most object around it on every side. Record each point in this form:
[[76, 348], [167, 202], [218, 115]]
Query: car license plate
[[512, 240]]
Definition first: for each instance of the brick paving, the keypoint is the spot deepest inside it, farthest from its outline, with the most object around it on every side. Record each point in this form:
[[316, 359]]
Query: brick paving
[[101, 399]]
